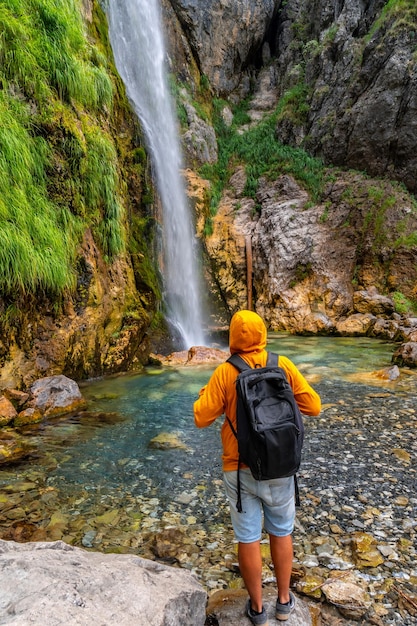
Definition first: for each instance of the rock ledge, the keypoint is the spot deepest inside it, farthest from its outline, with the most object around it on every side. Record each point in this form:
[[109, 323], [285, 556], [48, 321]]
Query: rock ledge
[[54, 583]]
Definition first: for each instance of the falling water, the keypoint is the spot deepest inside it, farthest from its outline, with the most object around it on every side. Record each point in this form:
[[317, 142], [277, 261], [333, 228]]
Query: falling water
[[137, 40]]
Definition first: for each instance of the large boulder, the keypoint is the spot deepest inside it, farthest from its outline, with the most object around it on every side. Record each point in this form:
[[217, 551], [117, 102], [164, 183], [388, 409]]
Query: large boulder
[[54, 583], [56, 395]]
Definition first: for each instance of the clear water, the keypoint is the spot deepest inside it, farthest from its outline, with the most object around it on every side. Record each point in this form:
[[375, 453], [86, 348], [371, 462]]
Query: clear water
[[104, 458], [333, 357], [136, 36], [116, 455]]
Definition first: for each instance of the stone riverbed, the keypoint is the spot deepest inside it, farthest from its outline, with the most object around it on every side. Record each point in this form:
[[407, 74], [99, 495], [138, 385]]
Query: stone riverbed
[[357, 519]]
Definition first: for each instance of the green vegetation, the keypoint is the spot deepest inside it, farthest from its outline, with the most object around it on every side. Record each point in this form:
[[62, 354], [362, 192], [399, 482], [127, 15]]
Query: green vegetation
[[400, 14], [324, 216], [375, 218], [200, 99], [58, 167], [35, 236], [258, 149], [402, 304], [147, 280]]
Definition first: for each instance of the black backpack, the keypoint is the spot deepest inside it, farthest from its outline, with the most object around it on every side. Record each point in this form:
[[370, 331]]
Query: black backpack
[[269, 425]]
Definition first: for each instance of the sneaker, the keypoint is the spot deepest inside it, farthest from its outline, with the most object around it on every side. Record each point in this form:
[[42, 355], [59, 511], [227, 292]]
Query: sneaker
[[283, 610], [257, 619]]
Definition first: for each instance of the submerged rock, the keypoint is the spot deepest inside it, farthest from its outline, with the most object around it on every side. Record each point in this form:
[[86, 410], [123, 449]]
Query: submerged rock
[[167, 441], [13, 447], [387, 374]]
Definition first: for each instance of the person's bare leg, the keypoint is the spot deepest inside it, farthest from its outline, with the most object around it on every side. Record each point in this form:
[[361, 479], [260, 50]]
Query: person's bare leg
[[250, 565], [282, 557]]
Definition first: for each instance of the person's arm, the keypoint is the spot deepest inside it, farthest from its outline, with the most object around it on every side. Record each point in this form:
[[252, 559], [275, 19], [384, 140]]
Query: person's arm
[[307, 399], [211, 401]]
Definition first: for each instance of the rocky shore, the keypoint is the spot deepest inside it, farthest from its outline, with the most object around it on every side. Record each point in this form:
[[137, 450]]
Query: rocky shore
[[355, 537]]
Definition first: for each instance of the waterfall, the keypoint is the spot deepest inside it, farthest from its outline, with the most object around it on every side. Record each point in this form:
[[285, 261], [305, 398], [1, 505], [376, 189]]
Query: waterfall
[[136, 37]]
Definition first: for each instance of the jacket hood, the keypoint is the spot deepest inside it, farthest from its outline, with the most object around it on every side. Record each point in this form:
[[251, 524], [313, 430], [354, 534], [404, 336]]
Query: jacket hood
[[247, 332]]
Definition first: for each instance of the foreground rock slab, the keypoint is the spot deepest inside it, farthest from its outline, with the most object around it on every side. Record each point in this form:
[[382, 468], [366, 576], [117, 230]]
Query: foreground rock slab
[[54, 583]]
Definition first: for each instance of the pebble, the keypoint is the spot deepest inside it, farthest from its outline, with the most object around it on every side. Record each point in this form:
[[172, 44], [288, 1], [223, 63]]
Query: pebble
[[358, 476]]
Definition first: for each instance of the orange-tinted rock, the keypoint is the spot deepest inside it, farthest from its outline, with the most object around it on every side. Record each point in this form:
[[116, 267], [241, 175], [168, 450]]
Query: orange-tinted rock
[[12, 448], [201, 354], [7, 411], [16, 396], [28, 416], [196, 355]]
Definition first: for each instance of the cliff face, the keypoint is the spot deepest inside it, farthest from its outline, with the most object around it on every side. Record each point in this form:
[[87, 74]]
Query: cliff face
[[355, 61], [90, 181], [313, 267], [342, 80], [360, 74], [226, 38]]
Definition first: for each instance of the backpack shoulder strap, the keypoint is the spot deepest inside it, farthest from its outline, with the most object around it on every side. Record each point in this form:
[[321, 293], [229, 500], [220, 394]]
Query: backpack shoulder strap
[[241, 365], [273, 359], [238, 363]]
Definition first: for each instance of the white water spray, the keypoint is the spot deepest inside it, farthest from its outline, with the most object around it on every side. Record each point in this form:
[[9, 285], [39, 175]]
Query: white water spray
[[137, 41]]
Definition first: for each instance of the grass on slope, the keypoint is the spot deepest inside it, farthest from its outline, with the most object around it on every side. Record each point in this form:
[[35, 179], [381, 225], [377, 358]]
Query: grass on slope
[[55, 92], [262, 154]]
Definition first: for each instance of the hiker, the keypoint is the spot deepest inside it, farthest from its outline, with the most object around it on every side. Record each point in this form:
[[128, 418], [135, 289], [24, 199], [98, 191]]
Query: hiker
[[276, 497]]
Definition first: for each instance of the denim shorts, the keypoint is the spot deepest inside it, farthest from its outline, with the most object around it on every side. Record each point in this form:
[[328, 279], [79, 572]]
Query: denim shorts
[[274, 498]]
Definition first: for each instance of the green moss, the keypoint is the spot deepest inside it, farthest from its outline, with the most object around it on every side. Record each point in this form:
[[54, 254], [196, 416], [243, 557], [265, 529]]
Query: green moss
[[58, 165], [147, 275], [302, 272], [402, 304]]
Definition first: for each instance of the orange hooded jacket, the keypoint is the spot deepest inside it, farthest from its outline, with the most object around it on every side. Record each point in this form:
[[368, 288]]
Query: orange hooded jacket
[[247, 337]]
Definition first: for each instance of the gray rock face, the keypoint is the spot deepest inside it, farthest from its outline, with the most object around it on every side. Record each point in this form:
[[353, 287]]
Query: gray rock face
[[357, 65], [304, 258], [362, 80], [54, 583], [226, 37], [199, 141]]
